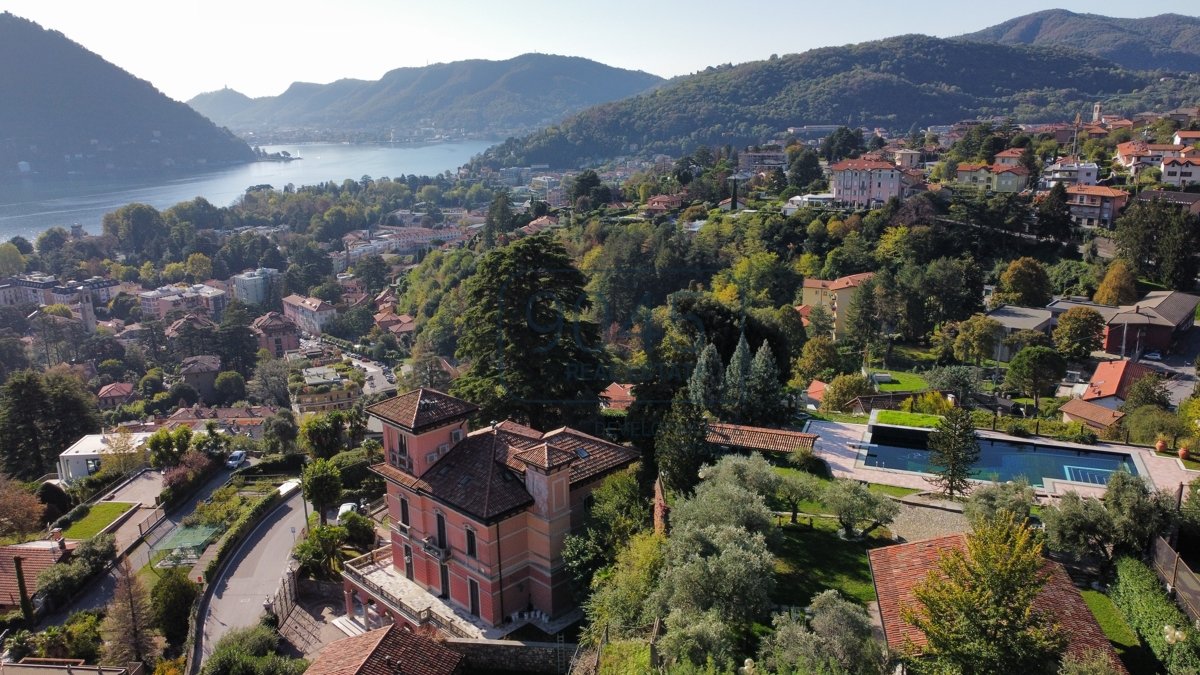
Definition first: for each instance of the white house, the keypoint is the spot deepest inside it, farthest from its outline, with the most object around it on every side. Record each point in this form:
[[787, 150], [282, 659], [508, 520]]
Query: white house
[[87, 454]]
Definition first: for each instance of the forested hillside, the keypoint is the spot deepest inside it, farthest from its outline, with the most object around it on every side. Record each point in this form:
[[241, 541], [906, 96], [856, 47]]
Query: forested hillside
[[1163, 42], [895, 83], [63, 108], [475, 96]]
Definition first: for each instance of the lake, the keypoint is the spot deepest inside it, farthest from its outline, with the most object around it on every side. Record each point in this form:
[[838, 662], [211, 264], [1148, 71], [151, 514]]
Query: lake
[[29, 206]]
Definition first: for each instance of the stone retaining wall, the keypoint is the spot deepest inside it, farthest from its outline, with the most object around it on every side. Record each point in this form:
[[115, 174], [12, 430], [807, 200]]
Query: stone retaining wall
[[513, 656]]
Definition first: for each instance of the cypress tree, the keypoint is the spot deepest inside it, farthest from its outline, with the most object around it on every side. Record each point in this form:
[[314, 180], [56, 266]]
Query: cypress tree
[[680, 447], [737, 381], [704, 386], [765, 391]]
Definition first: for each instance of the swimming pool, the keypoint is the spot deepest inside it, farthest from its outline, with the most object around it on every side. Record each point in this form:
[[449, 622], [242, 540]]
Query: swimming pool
[[1002, 460]]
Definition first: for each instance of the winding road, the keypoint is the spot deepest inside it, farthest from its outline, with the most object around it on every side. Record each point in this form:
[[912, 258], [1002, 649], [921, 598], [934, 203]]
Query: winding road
[[252, 574]]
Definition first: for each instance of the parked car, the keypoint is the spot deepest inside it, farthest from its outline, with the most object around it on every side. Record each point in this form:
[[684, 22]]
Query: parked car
[[235, 459], [1152, 356], [348, 507]]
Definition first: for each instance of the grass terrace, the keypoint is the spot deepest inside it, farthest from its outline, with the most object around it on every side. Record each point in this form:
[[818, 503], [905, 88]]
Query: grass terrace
[[902, 381], [100, 516], [811, 560], [907, 419], [1136, 657]]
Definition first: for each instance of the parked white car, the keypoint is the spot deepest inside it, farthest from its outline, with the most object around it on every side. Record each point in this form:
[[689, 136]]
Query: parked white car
[[235, 459]]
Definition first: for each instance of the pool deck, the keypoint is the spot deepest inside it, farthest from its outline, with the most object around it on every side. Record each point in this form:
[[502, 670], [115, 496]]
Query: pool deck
[[838, 444]]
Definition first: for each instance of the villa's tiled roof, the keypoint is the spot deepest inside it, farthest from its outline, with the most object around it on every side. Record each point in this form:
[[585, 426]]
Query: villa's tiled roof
[[35, 557], [758, 438], [898, 569], [421, 408], [483, 474], [1113, 378], [1090, 413], [386, 651]]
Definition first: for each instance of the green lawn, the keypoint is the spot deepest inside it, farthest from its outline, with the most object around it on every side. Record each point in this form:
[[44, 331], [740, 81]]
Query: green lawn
[[907, 419], [100, 516], [1136, 657], [808, 561], [904, 382], [1190, 462], [625, 657]]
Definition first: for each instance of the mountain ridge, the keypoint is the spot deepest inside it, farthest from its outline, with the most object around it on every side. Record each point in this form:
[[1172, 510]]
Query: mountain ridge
[[1164, 42], [896, 83], [473, 95], [67, 110]]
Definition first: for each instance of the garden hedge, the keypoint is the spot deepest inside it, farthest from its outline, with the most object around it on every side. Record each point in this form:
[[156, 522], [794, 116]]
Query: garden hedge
[[1144, 602], [238, 531]]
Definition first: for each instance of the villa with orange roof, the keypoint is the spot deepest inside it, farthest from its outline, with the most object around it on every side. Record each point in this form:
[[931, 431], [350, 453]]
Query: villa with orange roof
[[832, 295], [1109, 386], [1095, 205], [478, 519]]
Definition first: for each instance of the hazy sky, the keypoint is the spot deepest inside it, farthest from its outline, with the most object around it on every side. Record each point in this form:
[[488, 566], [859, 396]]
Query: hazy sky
[[259, 47]]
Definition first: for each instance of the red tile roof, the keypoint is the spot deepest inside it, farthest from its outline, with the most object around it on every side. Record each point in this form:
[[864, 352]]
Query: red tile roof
[[816, 390], [618, 396], [386, 651], [898, 569], [36, 557], [1090, 413], [1015, 153], [758, 438], [1096, 191], [272, 321], [1113, 378], [115, 390], [1010, 168], [972, 166], [862, 165], [850, 281], [421, 409], [205, 363], [482, 475]]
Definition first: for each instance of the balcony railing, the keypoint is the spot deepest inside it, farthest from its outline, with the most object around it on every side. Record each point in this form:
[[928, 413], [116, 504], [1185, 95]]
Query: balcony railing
[[353, 570], [435, 550]]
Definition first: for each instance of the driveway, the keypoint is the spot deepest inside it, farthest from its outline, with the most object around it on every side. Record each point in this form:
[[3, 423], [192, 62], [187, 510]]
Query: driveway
[[253, 573]]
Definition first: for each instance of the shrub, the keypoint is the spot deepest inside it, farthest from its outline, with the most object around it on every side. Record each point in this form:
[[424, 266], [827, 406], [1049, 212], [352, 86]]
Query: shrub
[[1140, 597], [1080, 433], [237, 531], [360, 531], [353, 465], [61, 581], [172, 599]]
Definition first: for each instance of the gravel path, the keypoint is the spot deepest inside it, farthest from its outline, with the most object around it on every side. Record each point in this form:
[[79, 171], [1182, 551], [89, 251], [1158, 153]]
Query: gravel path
[[924, 522]]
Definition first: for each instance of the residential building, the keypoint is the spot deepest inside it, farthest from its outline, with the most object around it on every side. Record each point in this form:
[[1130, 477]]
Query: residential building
[[1189, 202], [1180, 172], [324, 390], [1184, 137], [35, 557], [765, 159], [478, 518], [834, 296], [1109, 386], [253, 287], [977, 174], [907, 158], [1069, 171], [1097, 417], [86, 455], [113, 395], [247, 421], [1138, 155], [276, 333], [865, 182], [387, 651], [309, 314], [1008, 178], [1015, 319], [38, 666], [403, 326], [196, 298], [1009, 157], [1155, 323], [794, 204], [201, 373], [659, 205], [617, 396], [189, 324], [1095, 205], [897, 570]]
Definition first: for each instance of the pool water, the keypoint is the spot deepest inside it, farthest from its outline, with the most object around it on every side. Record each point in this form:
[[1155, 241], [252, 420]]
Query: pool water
[[1002, 461]]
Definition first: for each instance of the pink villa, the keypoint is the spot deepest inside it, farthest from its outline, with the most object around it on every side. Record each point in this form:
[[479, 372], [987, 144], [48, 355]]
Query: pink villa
[[478, 519]]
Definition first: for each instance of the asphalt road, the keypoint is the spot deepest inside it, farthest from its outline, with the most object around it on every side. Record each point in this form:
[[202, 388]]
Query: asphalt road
[[253, 573]]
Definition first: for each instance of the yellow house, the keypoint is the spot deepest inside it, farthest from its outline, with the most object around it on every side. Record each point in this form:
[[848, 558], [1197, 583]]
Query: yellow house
[[974, 173], [832, 295], [1009, 177]]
